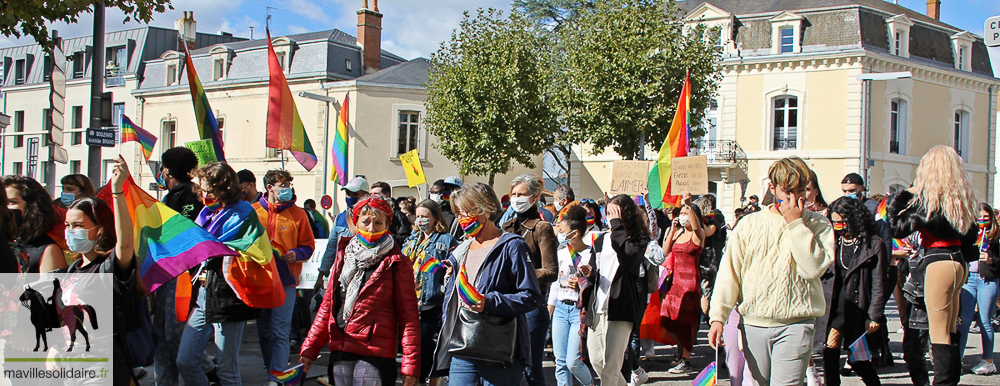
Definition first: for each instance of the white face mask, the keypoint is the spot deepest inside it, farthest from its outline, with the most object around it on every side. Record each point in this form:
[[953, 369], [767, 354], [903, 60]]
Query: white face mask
[[684, 220], [559, 205], [436, 198], [520, 204]]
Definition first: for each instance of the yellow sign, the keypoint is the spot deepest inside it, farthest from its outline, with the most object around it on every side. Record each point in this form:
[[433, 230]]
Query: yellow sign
[[411, 165]]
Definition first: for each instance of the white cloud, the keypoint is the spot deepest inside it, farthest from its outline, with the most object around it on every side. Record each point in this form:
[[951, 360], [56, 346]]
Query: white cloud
[[306, 8], [297, 29]]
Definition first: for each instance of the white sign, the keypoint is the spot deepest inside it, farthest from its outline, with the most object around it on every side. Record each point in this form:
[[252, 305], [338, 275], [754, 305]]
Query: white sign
[[310, 268], [992, 32]]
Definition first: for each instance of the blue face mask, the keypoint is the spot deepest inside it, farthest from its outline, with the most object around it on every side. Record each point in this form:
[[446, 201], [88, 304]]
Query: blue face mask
[[67, 198], [78, 240], [285, 194], [351, 201], [851, 195]]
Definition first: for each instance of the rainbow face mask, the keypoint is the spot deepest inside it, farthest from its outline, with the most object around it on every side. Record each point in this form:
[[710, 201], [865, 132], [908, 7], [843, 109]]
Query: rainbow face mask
[[983, 223], [211, 202], [369, 239], [839, 227], [471, 226]]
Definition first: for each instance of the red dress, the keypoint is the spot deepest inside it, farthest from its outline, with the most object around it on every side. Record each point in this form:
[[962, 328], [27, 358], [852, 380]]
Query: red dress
[[681, 305]]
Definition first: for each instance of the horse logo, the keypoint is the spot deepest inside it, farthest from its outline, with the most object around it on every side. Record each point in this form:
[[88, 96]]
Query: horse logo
[[46, 315]]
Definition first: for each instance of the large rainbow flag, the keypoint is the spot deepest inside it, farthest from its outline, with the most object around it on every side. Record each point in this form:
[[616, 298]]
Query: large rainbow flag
[[676, 145], [208, 127], [166, 243], [340, 144], [252, 274], [284, 126], [133, 133]]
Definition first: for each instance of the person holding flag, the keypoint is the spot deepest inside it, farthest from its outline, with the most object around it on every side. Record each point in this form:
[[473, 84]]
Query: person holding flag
[[563, 296]]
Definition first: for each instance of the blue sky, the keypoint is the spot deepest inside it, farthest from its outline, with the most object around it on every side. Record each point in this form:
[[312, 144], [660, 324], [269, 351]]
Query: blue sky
[[411, 28]]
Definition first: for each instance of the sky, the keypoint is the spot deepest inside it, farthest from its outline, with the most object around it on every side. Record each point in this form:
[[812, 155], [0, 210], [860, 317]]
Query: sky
[[410, 28]]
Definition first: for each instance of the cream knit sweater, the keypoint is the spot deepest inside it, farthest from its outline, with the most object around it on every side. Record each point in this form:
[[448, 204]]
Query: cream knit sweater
[[772, 269]]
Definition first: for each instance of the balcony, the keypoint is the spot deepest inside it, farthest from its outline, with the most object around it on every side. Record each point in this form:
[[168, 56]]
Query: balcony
[[114, 76], [726, 159], [784, 144]]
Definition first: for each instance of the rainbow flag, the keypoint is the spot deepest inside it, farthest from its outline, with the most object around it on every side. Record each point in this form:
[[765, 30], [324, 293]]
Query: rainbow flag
[[430, 265], [898, 244], [881, 213], [289, 376], [340, 143], [466, 290], [166, 243], [708, 376], [208, 127], [676, 145], [574, 255], [133, 133], [284, 126], [252, 274]]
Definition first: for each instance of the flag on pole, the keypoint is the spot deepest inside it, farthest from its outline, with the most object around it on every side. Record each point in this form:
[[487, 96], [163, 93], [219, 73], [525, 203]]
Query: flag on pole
[[208, 127], [289, 376], [284, 126], [859, 350], [708, 376], [340, 144], [676, 145], [411, 166], [133, 133]]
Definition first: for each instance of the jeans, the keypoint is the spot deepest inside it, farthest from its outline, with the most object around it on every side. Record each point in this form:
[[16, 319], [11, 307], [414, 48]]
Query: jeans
[[228, 337], [778, 355], [984, 293], [566, 346], [273, 328], [538, 325], [472, 372]]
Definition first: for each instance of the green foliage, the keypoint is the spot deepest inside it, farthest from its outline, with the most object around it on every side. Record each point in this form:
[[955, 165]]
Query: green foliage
[[28, 17], [487, 94], [622, 71]]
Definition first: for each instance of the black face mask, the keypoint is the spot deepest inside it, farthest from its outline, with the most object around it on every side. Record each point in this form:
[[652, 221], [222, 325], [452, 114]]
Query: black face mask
[[18, 217]]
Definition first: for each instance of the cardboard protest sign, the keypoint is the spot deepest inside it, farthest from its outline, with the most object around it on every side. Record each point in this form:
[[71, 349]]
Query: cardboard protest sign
[[411, 166], [629, 177], [689, 175]]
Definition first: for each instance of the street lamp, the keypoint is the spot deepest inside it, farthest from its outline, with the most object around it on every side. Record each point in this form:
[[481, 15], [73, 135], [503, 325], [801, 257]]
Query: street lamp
[[326, 133], [866, 81]]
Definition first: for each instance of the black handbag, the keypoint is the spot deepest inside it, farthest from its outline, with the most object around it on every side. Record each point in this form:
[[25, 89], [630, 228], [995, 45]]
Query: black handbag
[[484, 337]]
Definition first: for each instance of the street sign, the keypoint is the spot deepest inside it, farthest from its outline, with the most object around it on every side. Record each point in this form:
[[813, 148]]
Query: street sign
[[101, 137], [32, 156], [992, 32], [326, 202]]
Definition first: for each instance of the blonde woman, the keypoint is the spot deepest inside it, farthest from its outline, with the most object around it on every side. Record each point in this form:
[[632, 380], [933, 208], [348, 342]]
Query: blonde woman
[[942, 207]]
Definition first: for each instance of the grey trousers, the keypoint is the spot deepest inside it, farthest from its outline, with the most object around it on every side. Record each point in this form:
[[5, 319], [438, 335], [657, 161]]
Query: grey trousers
[[778, 355]]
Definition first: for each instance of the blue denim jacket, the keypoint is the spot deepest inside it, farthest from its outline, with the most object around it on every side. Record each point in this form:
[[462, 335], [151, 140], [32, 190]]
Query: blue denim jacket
[[431, 283]]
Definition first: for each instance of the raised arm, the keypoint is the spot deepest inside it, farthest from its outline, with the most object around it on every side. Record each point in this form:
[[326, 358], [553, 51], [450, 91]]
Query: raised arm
[[123, 220]]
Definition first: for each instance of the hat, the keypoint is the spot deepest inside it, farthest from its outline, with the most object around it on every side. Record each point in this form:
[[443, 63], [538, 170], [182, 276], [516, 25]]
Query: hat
[[453, 180], [754, 197], [357, 184], [246, 176], [853, 178]]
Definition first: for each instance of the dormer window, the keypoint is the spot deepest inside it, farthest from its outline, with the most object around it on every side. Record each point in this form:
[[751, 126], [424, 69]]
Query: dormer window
[[222, 58], [79, 65], [899, 35], [714, 17], [284, 49], [347, 65], [172, 66], [962, 45], [786, 33]]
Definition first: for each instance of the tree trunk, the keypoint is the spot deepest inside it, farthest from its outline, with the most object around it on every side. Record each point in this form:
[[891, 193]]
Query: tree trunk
[[492, 179]]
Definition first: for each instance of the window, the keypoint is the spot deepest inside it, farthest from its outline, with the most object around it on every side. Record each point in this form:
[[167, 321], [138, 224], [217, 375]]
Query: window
[[787, 40], [77, 116], [409, 122], [117, 110], [962, 50], [169, 135], [43, 171], [171, 74], [18, 128], [117, 56], [347, 64], [78, 65], [47, 68], [899, 32], [786, 119], [221, 123], [961, 58], [281, 59], [960, 136], [46, 124], [74, 167], [218, 69], [897, 126], [18, 168], [77, 138], [19, 72], [898, 38]]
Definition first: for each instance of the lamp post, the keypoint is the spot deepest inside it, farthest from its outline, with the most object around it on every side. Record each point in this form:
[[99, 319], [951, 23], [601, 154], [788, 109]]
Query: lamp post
[[326, 134], [866, 133]]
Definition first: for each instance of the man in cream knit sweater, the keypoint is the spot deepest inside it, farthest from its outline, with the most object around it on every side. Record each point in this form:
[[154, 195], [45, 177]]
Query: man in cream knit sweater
[[771, 269]]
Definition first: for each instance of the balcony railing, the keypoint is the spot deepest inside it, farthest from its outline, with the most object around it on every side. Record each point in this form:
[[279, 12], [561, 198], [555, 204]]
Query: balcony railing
[[719, 151], [784, 144], [114, 77]]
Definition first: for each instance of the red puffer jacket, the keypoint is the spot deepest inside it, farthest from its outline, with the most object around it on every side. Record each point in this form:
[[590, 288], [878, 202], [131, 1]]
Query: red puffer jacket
[[386, 304]]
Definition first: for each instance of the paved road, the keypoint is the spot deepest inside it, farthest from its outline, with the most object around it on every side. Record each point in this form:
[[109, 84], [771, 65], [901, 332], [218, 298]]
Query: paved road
[[253, 372]]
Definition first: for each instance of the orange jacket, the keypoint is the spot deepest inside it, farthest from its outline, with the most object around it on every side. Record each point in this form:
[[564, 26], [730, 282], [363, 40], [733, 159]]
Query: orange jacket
[[288, 228]]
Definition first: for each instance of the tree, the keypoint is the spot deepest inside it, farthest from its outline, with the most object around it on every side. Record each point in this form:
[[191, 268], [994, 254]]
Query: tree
[[28, 17], [623, 69], [487, 95]]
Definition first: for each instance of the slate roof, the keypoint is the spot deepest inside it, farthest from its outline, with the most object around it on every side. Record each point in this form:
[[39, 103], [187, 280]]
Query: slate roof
[[837, 25], [411, 73]]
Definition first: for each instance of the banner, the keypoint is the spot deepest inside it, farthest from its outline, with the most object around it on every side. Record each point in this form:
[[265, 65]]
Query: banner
[[411, 165]]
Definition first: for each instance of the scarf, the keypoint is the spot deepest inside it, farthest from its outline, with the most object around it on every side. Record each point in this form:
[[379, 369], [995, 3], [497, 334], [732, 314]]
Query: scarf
[[357, 259]]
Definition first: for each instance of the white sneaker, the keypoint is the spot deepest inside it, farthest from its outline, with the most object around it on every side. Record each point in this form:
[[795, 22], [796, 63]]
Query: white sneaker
[[982, 368], [639, 377], [272, 383]]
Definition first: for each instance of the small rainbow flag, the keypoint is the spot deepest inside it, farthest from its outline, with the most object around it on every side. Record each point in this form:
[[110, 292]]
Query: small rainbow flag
[[133, 133], [881, 212], [466, 290], [288, 376], [708, 376], [898, 244], [430, 265], [574, 255], [981, 241]]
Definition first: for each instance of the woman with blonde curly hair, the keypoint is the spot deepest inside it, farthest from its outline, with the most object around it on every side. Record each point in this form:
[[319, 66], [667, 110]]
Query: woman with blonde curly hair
[[942, 207]]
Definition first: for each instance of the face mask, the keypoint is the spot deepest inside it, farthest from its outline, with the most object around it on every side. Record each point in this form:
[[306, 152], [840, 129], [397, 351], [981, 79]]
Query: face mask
[[839, 227], [424, 224], [285, 194], [368, 239], [78, 240], [563, 239], [436, 198], [520, 204], [67, 198], [161, 180], [210, 202], [590, 220], [471, 226], [983, 223], [851, 195], [351, 201], [558, 205], [684, 220], [446, 196]]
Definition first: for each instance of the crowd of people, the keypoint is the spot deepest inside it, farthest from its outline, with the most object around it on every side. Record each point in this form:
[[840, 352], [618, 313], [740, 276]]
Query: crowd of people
[[471, 284]]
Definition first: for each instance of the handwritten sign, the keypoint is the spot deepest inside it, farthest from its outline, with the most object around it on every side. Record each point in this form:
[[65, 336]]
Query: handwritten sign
[[629, 177], [204, 150], [411, 166], [310, 268], [689, 175]]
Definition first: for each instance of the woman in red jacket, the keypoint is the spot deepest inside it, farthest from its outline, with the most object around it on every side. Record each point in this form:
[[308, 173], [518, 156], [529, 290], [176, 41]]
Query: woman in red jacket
[[363, 312]]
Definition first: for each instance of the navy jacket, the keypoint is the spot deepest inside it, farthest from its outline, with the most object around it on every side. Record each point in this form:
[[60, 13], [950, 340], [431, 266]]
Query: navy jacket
[[507, 279]]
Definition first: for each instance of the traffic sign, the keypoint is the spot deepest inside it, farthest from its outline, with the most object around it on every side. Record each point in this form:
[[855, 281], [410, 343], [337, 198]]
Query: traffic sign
[[992, 32], [101, 137], [326, 202]]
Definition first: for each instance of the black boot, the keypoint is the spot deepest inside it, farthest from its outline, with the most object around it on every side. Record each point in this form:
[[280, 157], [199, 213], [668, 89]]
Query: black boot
[[867, 373], [831, 366], [958, 354], [944, 357], [913, 354]]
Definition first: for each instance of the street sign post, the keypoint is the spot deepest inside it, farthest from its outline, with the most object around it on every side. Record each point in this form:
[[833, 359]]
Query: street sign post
[[101, 137], [992, 32]]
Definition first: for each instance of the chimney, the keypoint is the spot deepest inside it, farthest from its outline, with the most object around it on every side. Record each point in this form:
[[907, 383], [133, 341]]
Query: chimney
[[187, 30], [934, 9], [370, 37]]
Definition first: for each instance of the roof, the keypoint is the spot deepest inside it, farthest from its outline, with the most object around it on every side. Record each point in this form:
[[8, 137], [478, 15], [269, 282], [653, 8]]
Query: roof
[[333, 35], [411, 73], [747, 7]]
